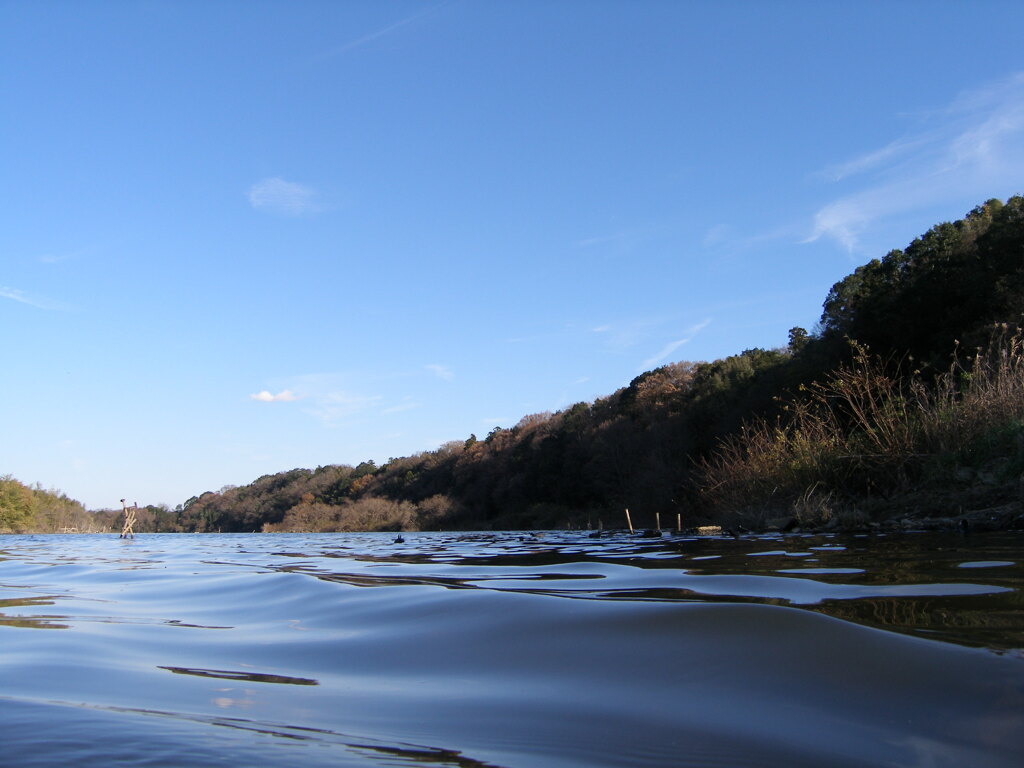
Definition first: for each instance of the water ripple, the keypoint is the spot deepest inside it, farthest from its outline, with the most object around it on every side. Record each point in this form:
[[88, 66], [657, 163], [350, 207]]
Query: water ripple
[[498, 651]]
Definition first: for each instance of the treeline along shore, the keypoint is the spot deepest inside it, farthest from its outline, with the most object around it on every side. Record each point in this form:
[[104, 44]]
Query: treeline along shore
[[905, 402]]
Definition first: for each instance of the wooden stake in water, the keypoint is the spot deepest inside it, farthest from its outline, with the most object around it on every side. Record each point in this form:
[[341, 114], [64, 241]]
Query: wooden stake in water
[[630, 522], [128, 531], [657, 521], [679, 522]]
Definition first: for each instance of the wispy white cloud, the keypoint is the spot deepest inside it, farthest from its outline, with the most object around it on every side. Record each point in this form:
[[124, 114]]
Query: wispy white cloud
[[328, 397], [405, 405], [717, 235], [887, 155], [625, 334], [368, 38], [441, 371], [39, 302], [973, 148], [285, 396], [57, 258], [589, 242], [843, 220], [333, 407], [672, 346], [61, 256], [286, 198], [625, 240]]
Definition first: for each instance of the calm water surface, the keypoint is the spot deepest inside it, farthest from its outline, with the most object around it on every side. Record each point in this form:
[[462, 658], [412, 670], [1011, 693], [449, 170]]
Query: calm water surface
[[476, 650]]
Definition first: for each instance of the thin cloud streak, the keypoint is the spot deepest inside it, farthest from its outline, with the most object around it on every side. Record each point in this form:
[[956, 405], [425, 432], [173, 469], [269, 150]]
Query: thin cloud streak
[[875, 159], [334, 407], [976, 149], [39, 302], [400, 408], [57, 258], [441, 371], [360, 41], [621, 336], [671, 347], [275, 195]]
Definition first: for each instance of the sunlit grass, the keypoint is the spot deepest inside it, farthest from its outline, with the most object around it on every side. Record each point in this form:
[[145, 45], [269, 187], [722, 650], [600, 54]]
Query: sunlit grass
[[876, 427]]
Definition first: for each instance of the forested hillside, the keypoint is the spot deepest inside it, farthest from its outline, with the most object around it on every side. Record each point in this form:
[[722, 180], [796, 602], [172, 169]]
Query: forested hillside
[[667, 442], [909, 391], [26, 508]]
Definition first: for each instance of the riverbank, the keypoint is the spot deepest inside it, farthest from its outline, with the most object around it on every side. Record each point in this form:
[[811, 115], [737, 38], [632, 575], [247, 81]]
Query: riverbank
[[983, 506]]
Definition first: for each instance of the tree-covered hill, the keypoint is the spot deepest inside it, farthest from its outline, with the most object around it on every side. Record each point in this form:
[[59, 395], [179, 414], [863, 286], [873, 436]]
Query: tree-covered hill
[[25, 508], [953, 282], [659, 444]]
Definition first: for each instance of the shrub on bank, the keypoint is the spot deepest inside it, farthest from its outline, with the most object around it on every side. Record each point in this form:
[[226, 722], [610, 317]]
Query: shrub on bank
[[873, 428]]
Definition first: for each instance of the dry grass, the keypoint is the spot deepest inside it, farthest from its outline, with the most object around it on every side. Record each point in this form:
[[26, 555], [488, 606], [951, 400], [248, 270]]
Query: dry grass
[[873, 428]]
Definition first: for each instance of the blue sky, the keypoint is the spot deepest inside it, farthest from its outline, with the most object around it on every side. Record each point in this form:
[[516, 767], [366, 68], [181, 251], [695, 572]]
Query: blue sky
[[243, 237]]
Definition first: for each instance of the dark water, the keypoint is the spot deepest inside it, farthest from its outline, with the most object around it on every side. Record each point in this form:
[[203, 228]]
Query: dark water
[[511, 650]]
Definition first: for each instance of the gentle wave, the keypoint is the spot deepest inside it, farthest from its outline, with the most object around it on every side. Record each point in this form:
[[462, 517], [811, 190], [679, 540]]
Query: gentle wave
[[509, 650]]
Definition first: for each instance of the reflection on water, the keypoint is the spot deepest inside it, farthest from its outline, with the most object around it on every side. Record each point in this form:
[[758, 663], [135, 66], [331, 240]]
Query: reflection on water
[[248, 677], [906, 583], [988, 564], [476, 650], [38, 621]]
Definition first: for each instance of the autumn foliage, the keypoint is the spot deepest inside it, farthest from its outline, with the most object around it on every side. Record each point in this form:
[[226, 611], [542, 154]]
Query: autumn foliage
[[913, 376]]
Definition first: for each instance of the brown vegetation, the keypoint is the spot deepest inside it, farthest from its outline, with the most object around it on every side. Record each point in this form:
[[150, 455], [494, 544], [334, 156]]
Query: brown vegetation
[[873, 429], [369, 514], [819, 428]]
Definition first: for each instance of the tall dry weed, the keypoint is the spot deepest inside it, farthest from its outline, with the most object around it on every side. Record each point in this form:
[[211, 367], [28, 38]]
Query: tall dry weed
[[977, 403], [872, 427]]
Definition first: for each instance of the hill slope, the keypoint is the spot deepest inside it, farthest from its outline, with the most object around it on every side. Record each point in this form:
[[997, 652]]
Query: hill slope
[[666, 442]]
